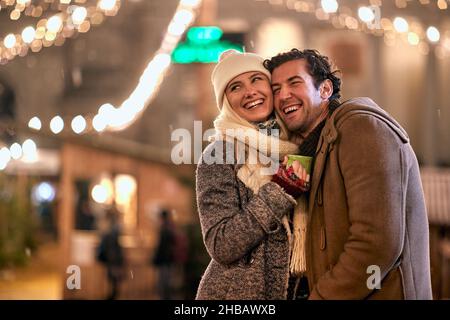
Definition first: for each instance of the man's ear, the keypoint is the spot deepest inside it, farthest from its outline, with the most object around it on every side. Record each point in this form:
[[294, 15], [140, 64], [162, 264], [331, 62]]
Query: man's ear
[[326, 89]]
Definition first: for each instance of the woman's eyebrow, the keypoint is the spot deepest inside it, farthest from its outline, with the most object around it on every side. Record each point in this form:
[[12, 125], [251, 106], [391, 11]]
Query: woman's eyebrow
[[257, 73], [233, 83]]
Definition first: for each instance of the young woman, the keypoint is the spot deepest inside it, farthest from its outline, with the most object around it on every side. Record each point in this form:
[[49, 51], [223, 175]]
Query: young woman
[[243, 213]]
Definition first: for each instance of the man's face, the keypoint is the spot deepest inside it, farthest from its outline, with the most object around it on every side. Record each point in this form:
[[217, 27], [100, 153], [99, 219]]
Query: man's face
[[296, 99], [250, 96]]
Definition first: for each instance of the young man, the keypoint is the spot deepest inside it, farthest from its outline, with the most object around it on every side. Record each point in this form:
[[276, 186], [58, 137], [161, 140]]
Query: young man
[[367, 232]]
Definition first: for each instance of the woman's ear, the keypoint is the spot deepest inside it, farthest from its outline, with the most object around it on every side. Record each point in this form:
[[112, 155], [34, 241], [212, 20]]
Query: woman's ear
[[326, 89]]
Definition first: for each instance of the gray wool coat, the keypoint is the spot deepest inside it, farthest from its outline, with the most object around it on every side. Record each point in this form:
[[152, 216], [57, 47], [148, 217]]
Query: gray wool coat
[[242, 233]]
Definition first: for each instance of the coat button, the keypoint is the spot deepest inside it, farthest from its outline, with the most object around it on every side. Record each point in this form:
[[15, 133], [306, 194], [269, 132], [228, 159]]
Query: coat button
[[273, 226]]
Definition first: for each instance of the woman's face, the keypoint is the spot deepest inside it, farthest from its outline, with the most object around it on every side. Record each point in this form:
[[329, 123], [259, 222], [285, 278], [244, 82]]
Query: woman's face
[[250, 96]]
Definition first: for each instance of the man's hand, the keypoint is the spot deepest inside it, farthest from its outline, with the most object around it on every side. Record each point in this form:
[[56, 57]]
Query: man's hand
[[294, 180]]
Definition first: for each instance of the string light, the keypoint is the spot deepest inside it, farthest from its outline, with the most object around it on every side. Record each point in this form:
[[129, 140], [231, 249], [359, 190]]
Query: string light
[[54, 24], [66, 23], [26, 7], [113, 118], [78, 124], [433, 34], [413, 38], [29, 151], [28, 34], [79, 14], [99, 123], [117, 118], [15, 150], [28, 146], [9, 41], [107, 5], [329, 6], [343, 17], [56, 124], [5, 157], [26, 152], [35, 123], [365, 14], [442, 4], [400, 24]]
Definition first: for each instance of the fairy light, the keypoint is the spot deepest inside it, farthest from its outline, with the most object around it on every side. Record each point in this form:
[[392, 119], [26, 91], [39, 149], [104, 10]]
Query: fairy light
[[99, 123], [413, 38], [26, 152], [28, 34], [412, 31], [107, 4], [29, 151], [79, 14], [433, 34], [29, 146], [35, 123], [56, 124], [329, 6], [9, 41], [176, 29], [15, 15], [15, 150], [119, 118], [54, 24], [184, 16], [5, 157], [78, 124], [365, 14], [70, 20], [400, 24], [442, 4], [191, 3]]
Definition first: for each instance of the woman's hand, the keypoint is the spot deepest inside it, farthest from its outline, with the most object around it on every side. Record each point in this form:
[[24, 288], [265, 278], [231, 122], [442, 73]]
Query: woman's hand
[[298, 171], [294, 180]]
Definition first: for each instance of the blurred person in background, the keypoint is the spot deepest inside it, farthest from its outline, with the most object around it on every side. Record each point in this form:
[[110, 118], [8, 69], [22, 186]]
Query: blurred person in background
[[244, 215], [367, 233], [165, 254], [110, 253]]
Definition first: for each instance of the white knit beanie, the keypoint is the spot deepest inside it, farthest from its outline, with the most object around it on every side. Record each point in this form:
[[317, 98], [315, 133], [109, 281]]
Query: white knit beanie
[[231, 64]]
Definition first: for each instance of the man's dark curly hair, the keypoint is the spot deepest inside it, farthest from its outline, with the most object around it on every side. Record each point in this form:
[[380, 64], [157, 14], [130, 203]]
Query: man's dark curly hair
[[319, 67]]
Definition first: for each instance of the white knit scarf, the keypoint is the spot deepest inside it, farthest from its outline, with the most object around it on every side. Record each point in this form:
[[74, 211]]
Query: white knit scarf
[[252, 175]]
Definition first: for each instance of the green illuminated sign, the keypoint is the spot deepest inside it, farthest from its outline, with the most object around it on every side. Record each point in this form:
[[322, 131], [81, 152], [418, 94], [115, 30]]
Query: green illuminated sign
[[203, 45], [204, 35]]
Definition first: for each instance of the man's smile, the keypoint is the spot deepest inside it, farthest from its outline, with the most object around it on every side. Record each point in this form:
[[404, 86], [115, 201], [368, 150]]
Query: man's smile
[[291, 108]]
